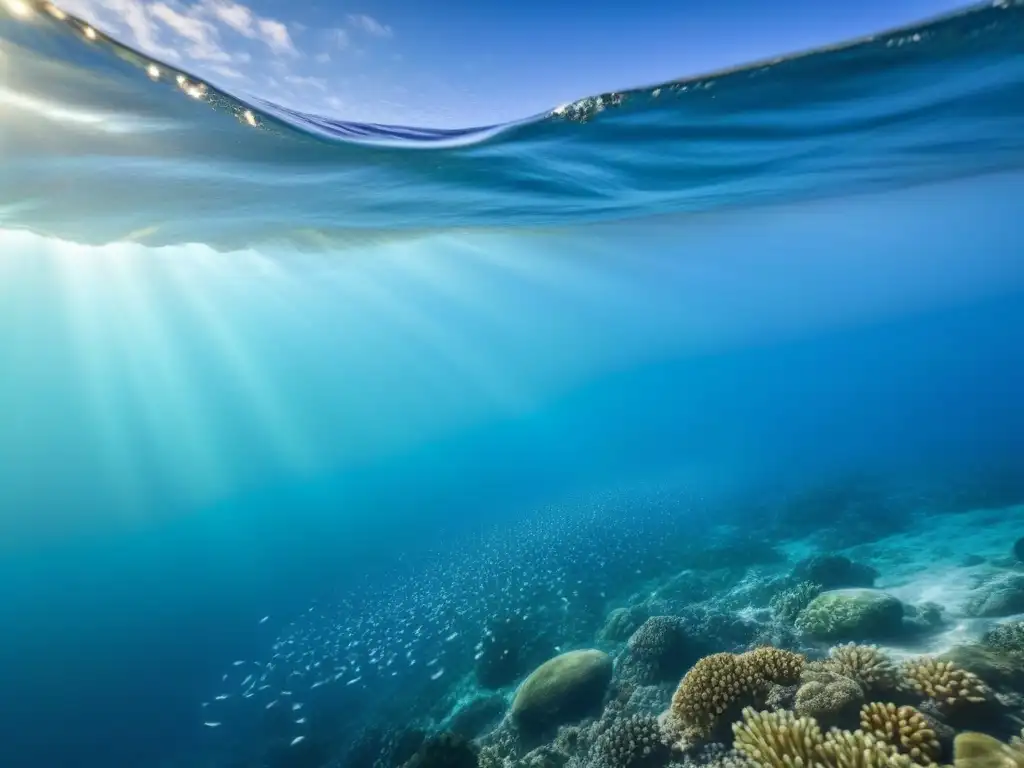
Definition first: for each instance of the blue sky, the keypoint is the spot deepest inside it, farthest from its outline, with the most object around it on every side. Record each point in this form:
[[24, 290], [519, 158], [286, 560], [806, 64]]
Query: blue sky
[[452, 63]]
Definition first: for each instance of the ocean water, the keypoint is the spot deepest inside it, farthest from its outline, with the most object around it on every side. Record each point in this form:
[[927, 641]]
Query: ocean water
[[317, 438]]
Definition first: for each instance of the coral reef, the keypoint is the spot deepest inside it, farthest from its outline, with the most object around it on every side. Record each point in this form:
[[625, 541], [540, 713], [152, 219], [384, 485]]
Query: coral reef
[[658, 651], [562, 689], [943, 682], [724, 681], [979, 750], [777, 739], [852, 614], [856, 749], [835, 701], [1006, 638], [788, 604], [866, 665], [903, 727], [1001, 669], [783, 740], [630, 743]]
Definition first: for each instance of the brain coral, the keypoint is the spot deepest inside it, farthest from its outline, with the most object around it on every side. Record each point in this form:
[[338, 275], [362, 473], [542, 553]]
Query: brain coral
[[562, 689], [833, 701], [724, 680]]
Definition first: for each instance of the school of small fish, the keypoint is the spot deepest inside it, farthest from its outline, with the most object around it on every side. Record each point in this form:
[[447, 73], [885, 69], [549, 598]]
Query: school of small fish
[[432, 623]]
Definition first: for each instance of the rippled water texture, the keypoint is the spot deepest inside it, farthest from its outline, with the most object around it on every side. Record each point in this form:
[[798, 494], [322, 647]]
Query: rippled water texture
[[103, 144]]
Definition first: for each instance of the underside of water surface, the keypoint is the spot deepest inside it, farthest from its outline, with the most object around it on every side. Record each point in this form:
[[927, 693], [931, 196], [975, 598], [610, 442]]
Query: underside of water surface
[[327, 444]]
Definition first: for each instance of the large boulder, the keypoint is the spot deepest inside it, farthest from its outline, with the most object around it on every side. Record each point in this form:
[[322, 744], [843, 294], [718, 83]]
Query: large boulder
[[840, 615], [563, 689], [1003, 596]]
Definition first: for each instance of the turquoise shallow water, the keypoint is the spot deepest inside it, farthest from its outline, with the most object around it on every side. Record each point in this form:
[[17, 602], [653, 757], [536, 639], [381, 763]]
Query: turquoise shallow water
[[388, 385]]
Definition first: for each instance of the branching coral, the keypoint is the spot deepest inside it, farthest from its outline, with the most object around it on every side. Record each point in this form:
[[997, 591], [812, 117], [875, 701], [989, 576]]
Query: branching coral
[[773, 665], [944, 682], [865, 665], [786, 605], [722, 680], [708, 689], [903, 727], [845, 749], [778, 739], [783, 740]]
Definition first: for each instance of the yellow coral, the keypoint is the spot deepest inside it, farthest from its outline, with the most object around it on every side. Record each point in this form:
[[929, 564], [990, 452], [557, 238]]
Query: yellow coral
[[843, 749], [903, 727], [774, 665], [864, 664], [721, 680], [782, 740], [706, 691], [943, 681], [978, 750], [777, 739]]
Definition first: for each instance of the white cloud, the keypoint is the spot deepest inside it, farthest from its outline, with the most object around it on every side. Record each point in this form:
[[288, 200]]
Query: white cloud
[[243, 20], [238, 17], [201, 35], [369, 25], [275, 35], [160, 28], [126, 18], [229, 40]]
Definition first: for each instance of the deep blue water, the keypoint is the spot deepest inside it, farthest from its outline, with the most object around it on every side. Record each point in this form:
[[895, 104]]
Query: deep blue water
[[253, 361]]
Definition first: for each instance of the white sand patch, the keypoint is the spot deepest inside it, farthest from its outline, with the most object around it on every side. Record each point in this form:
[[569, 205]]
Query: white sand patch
[[944, 559]]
